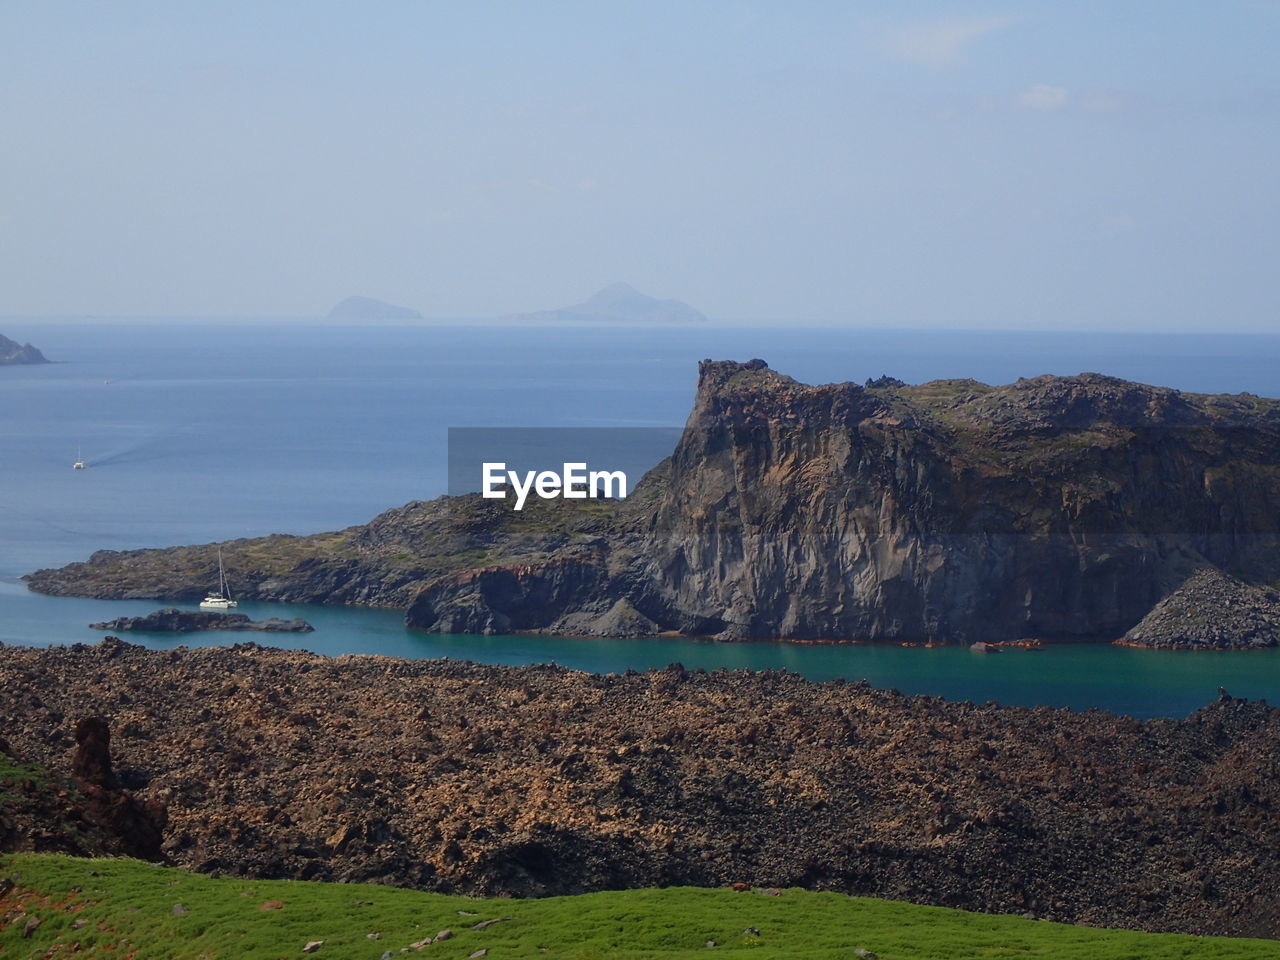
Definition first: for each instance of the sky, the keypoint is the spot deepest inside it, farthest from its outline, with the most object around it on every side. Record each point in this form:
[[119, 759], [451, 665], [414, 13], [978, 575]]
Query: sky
[[1011, 165]]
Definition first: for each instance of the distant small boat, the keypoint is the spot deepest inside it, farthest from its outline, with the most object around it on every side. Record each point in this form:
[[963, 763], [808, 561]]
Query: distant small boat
[[220, 599], [79, 464]]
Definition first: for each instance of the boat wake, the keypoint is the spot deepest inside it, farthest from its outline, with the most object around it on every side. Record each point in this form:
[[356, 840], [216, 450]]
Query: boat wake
[[149, 450]]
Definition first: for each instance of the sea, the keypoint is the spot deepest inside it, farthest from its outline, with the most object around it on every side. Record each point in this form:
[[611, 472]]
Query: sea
[[200, 431]]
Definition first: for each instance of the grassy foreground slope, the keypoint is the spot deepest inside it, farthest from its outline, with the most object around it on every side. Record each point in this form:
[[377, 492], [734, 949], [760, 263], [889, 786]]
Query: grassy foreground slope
[[126, 908]]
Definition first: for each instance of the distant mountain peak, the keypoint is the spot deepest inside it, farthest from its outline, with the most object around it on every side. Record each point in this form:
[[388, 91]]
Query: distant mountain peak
[[618, 289], [622, 303], [367, 308]]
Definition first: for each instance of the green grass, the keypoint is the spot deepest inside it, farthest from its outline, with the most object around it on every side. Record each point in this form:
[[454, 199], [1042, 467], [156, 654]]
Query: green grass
[[126, 908], [13, 772]]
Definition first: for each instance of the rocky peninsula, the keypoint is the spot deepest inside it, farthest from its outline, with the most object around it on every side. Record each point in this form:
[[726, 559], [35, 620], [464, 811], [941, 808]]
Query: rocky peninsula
[[173, 620], [13, 353], [1061, 508], [539, 780]]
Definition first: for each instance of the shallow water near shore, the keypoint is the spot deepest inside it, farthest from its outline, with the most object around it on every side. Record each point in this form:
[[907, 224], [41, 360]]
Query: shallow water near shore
[[202, 432]]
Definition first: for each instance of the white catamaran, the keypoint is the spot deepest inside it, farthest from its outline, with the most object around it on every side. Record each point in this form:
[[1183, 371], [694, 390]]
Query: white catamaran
[[220, 599]]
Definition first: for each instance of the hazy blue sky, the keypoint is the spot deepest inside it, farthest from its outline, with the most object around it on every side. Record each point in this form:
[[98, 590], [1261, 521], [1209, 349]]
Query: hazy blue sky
[[1012, 164]]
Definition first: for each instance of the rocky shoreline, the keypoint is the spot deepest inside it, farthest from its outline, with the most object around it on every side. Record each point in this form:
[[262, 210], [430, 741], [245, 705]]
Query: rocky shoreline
[[538, 780], [945, 512]]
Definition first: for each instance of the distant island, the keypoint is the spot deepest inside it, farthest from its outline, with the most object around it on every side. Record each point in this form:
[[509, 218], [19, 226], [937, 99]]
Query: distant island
[[13, 353], [367, 308], [620, 303]]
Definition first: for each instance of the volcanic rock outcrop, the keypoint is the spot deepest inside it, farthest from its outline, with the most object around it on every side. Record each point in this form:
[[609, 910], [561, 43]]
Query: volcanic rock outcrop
[[1211, 611], [137, 824], [1054, 507], [88, 813], [952, 511], [173, 620], [539, 780]]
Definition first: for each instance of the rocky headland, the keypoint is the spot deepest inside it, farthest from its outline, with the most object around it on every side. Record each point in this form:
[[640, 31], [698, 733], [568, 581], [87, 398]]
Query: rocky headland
[[1211, 611], [1062, 508], [538, 780], [173, 620], [13, 353]]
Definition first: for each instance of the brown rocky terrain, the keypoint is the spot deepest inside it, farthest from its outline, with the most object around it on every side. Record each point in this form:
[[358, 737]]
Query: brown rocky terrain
[[539, 780], [86, 812], [1211, 611], [950, 511]]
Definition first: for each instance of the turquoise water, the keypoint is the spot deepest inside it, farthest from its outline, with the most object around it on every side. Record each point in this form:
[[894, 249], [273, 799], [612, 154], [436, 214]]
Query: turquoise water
[[1143, 683], [197, 432]]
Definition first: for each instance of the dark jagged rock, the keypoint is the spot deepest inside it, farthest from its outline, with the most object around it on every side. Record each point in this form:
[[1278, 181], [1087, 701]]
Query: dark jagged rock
[[367, 308], [173, 620], [138, 824], [1211, 611], [13, 353], [91, 763], [951, 511], [452, 776], [506, 599]]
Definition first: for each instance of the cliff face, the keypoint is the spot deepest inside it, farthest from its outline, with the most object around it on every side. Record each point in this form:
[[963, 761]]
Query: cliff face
[[1054, 507], [1058, 507]]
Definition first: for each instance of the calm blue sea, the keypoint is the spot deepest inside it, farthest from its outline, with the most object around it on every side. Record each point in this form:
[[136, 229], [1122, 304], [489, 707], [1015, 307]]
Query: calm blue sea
[[207, 431]]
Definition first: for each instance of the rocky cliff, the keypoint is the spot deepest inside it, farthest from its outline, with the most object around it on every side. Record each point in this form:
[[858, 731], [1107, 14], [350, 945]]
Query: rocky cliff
[[1055, 507], [1058, 507], [951, 511]]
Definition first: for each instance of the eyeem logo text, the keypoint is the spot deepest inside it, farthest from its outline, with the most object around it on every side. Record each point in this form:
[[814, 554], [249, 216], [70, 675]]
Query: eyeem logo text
[[573, 482]]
